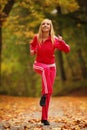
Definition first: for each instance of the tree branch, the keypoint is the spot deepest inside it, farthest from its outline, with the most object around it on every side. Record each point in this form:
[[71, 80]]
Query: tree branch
[[8, 7], [5, 12]]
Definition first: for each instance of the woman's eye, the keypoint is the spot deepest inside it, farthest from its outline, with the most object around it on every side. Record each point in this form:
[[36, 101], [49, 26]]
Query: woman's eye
[[45, 23]]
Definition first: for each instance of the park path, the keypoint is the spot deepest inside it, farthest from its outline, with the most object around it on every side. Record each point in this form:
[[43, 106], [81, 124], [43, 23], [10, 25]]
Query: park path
[[23, 113]]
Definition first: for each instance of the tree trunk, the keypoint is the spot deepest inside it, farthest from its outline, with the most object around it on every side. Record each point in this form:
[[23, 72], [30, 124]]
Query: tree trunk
[[4, 14], [70, 64], [83, 4], [82, 64], [0, 50], [61, 66], [59, 53]]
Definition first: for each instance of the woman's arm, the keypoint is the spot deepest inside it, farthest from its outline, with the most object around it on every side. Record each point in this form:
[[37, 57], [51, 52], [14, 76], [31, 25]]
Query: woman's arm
[[33, 46], [61, 45]]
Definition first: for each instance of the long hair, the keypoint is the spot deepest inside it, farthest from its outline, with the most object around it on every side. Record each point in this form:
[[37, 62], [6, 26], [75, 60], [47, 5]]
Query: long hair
[[51, 33]]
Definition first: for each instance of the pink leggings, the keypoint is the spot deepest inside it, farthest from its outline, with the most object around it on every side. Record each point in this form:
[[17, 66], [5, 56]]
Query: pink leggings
[[48, 74]]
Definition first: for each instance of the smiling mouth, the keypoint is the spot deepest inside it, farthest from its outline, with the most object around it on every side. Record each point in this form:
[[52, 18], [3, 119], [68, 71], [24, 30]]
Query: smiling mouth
[[45, 27]]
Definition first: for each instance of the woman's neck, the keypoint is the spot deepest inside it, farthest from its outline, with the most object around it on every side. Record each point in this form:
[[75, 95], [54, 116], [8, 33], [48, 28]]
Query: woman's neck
[[45, 35]]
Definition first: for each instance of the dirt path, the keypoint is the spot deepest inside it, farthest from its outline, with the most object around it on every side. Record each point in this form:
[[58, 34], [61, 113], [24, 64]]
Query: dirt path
[[66, 113]]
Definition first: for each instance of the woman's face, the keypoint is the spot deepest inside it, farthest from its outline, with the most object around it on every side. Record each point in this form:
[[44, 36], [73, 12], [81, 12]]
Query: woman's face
[[46, 26]]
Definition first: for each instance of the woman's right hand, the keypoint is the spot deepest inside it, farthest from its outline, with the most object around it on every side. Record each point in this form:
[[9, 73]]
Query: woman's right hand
[[32, 52]]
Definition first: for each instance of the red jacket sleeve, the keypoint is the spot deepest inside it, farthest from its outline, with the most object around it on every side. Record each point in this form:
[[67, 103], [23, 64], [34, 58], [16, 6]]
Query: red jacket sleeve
[[61, 45], [33, 44]]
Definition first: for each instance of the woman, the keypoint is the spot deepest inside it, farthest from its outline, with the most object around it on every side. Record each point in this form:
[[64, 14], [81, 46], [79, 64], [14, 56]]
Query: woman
[[43, 46]]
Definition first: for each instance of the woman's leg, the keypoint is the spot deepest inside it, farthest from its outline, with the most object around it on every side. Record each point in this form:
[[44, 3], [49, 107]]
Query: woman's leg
[[52, 75], [48, 75], [45, 108], [44, 71], [48, 96]]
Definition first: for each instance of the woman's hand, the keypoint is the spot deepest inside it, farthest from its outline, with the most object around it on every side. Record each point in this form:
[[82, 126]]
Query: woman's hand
[[31, 52], [60, 38]]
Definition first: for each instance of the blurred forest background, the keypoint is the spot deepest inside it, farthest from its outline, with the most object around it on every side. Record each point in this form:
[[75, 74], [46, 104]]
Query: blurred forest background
[[19, 21]]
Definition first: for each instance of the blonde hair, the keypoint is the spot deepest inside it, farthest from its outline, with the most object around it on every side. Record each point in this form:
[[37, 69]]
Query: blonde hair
[[51, 33]]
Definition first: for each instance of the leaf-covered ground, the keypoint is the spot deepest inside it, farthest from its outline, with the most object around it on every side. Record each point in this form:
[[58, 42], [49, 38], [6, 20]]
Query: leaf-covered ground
[[65, 113]]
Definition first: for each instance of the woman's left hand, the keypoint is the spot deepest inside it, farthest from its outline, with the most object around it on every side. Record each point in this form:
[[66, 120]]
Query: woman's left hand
[[60, 38]]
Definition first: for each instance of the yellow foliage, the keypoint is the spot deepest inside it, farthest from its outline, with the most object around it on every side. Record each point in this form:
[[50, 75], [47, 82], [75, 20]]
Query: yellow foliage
[[70, 5], [9, 67], [18, 33], [3, 3], [23, 4], [6, 68], [28, 34]]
